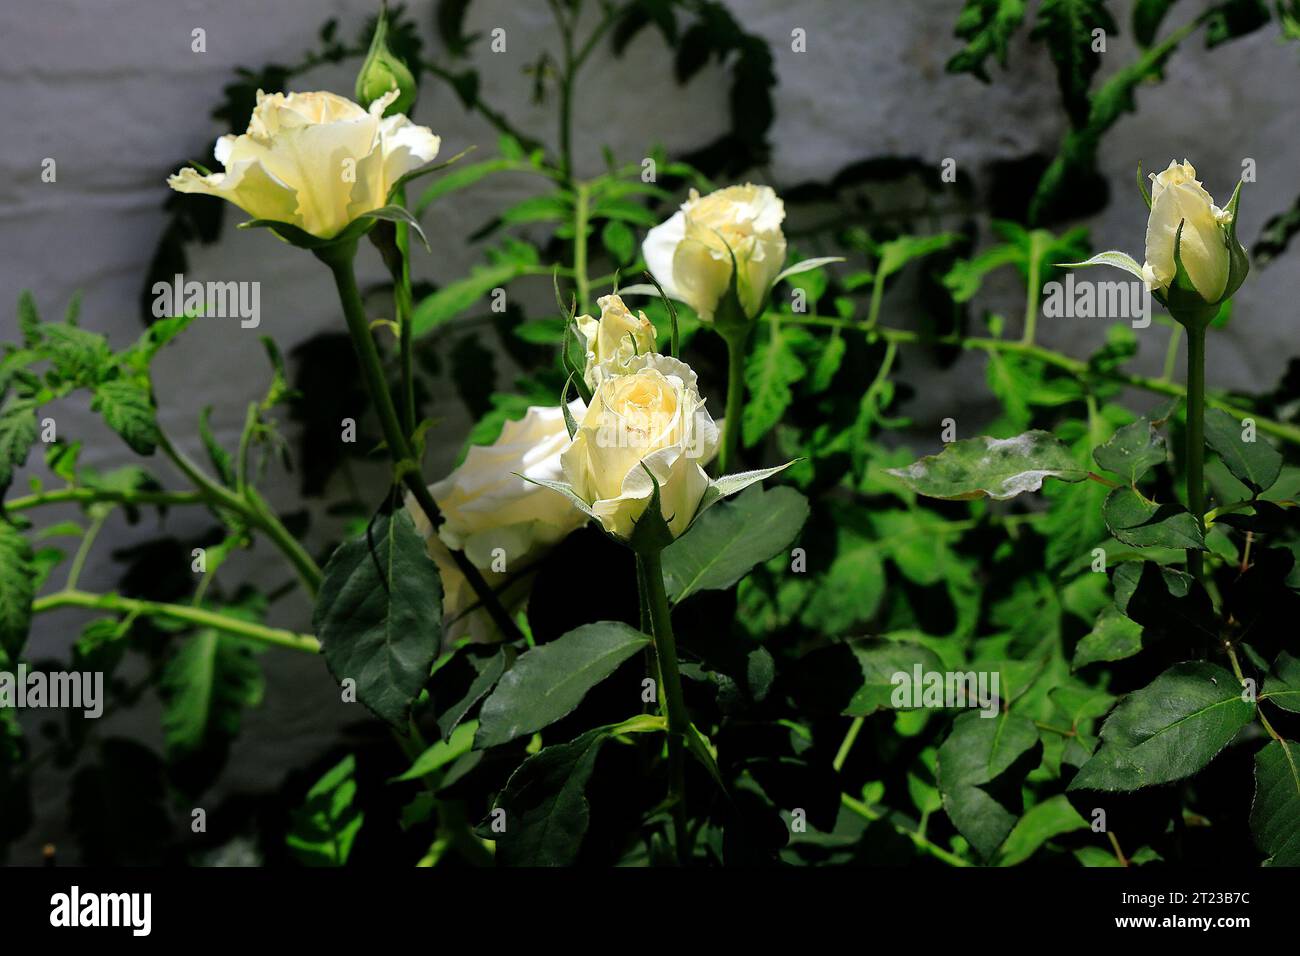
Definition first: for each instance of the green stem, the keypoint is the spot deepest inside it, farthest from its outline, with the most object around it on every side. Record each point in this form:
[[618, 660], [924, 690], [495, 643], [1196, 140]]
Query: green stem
[[1171, 353], [737, 350], [580, 215], [88, 539], [847, 744], [402, 304], [1196, 438], [1283, 430], [1033, 286], [877, 296], [674, 702], [241, 458], [91, 495], [277, 637], [339, 259], [252, 508], [918, 840]]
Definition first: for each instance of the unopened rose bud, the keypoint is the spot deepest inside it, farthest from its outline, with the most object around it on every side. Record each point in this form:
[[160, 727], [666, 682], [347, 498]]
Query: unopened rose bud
[[384, 71]]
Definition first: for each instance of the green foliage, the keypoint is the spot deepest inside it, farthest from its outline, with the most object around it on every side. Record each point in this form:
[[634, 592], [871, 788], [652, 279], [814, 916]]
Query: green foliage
[[732, 538], [548, 682], [977, 753], [325, 827], [1070, 601], [1168, 730], [1275, 814], [992, 467], [17, 588], [986, 26], [379, 614], [207, 684]]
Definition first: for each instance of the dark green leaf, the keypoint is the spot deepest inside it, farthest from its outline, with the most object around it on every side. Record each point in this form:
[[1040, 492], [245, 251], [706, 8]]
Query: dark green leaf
[[770, 371], [206, 685], [1147, 15], [1067, 27], [888, 668], [1144, 524], [976, 754], [1132, 451], [1113, 638], [1282, 685], [1255, 462], [1275, 814], [731, 538], [379, 615], [987, 26], [545, 803], [461, 680], [1168, 730], [549, 681], [18, 427]]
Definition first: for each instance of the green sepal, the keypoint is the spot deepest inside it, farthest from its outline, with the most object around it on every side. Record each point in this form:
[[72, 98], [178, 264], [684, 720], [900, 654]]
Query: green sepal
[[651, 533], [570, 425]]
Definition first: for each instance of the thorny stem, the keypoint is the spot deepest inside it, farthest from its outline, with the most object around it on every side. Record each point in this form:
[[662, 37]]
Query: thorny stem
[[339, 259]]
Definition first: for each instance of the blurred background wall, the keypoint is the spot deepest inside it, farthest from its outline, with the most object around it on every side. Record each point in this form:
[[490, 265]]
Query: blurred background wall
[[114, 94]]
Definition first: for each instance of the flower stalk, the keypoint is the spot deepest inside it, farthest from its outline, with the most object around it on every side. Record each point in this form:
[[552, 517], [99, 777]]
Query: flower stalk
[[673, 700], [737, 339], [1196, 438], [339, 257]]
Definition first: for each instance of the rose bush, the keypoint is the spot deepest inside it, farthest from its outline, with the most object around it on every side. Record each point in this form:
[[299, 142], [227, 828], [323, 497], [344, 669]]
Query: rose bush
[[618, 631]]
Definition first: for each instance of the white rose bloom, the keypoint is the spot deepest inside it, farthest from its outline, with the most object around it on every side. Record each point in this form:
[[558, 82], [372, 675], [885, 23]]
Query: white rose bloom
[[651, 415], [486, 506], [691, 253], [314, 160], [616, 337], [1178, 197]]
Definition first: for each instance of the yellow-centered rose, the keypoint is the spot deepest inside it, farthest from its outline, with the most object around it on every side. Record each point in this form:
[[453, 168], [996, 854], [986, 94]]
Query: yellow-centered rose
[[691, 253], [1184, 217], [496, 516], [501, 521], [650, 417], [316, 161], [1178, 197], [616, 337]]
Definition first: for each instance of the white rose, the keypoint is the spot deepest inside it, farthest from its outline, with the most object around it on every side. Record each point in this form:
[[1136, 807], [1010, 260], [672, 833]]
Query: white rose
[[651, 415], [616, 337], [691, 253], [486, 506], [314, 160], [462, 614], [1178, 197]]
